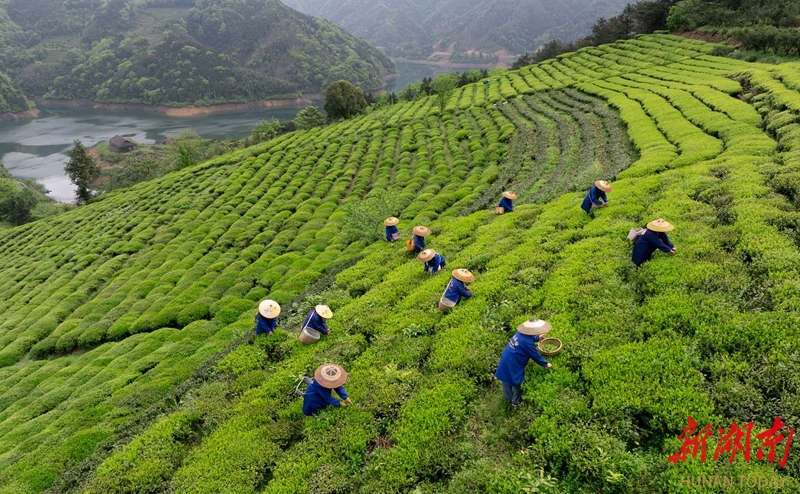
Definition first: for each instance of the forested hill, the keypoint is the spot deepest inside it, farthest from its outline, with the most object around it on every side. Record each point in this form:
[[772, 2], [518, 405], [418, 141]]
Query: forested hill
[[11, 98], [178, 52], [411, 28]]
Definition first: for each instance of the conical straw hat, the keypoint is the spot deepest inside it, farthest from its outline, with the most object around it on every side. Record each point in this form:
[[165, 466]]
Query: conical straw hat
[[510, 195], [269, 309], [330, 375], [464, 275], [422, 231], [426, 255], [660, 226], [324, 311], [603, 185], [534, 326], [391, 221]]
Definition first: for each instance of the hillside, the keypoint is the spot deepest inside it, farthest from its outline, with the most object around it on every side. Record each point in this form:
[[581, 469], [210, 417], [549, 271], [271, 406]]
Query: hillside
[[11, 98], [409, 28], [177, 53], [128, 361]]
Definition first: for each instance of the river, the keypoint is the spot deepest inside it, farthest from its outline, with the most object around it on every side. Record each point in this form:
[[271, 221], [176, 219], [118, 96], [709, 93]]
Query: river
[[36, 148]]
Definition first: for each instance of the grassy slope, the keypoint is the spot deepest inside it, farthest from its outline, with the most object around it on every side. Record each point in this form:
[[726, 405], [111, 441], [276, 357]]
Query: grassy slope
[[195, 251]]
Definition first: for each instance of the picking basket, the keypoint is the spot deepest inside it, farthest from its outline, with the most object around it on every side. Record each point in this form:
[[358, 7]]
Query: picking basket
[[550, 341], [309, 336], [445, 304], [499, 210]]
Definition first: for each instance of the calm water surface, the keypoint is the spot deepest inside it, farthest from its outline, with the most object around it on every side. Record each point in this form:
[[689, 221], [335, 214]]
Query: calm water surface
[[36, 148]]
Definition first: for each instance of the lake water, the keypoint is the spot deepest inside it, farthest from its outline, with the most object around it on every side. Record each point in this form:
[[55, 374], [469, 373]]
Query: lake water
[[36, 148]]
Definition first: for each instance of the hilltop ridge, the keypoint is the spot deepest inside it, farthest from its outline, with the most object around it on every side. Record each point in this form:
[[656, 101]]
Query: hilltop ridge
[[177, 53], [128, 361]]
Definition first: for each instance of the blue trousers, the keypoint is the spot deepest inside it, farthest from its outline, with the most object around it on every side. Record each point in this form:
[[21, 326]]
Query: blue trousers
[[512, 393]]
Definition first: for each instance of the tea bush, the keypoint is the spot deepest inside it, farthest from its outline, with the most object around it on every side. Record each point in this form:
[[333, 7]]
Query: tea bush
[[129, 362]]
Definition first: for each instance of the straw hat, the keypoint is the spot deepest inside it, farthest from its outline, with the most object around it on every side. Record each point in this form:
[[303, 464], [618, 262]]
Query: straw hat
[[464, 275], [603, 185], [660, 226], [426, 255], [534, 327], [422, 231], [391, 221], [324, 311], [330, 375], [510, 195], [269, 309]]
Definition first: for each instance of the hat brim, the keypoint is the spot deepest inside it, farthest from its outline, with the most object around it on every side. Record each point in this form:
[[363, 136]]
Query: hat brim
[[465, 277], [604, 188], [510, 195], [421, 231], [323, 311], [667, 227], [327, 383], [544, 329], [272, 315], [428, 257]]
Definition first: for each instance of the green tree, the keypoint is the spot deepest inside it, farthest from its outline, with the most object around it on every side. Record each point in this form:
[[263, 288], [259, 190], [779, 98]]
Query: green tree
[[267, 129], [308, 118], [82, 170], [343, 100], [20, 205], [444, 85]]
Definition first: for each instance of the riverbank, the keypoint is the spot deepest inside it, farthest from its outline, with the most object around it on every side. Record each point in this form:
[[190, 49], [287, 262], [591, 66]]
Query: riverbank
[[20, 115], [186, 111], [447, 65]]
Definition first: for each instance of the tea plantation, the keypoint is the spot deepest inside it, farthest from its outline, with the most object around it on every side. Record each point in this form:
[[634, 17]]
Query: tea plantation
[[128, 361]]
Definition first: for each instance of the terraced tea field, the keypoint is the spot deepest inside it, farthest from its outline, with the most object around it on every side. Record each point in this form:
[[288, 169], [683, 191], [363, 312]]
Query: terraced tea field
[[128, 358]]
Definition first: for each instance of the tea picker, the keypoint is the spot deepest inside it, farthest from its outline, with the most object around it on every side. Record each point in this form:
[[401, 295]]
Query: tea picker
[[416, 243], [267, 317], [315, 323], [432, 261], [391, 229], [596, 197], [506, 206], [456, 289], [654, 237], [327, 378], [515, 357]]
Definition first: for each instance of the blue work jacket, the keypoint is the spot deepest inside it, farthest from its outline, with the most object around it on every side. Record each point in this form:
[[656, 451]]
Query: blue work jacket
[[596, 196], [315, 321], [506, 204], [317, 398], [647, 243], [419, 244], [435, 264], [456, 289], [266, 326], [519, 350], [390, 230]]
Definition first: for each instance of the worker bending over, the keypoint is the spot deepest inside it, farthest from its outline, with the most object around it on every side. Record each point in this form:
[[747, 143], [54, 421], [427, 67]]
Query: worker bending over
[[596, 197], [267, 317], [432, 261], [515, 357], [391, 229], [654, 237], [316, 319], [456, 289], [327, 378], [420, 232], [506, 203]]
